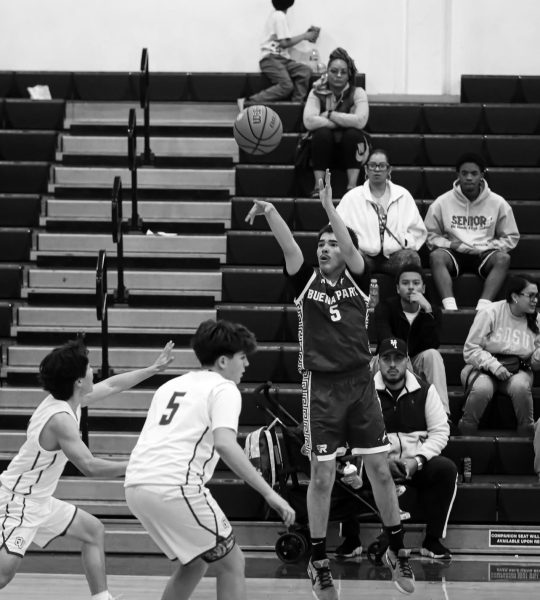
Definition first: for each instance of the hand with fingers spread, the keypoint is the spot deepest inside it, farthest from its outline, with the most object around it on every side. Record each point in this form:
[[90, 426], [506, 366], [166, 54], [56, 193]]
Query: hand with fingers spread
[[325, 191], [260, 207], [165, 358]]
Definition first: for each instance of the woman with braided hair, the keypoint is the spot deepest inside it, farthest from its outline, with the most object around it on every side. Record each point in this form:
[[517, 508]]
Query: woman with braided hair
[[335, 113]]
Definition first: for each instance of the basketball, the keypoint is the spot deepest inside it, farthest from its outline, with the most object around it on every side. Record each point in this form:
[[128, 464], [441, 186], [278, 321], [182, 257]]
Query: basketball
[[258, 129]]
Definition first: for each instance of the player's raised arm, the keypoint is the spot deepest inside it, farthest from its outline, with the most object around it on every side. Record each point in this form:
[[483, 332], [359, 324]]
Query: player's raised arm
[[351, 254], [284, 237], [125, 381]]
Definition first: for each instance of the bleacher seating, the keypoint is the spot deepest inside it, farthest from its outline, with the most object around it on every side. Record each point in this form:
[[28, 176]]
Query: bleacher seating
[[58, 159]]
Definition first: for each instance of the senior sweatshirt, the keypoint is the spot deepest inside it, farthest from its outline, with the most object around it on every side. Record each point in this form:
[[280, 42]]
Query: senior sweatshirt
[[495, 330], [486, 223]]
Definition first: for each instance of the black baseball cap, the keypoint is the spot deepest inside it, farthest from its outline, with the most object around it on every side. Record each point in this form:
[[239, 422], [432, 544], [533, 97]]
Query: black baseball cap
[[393, 345]]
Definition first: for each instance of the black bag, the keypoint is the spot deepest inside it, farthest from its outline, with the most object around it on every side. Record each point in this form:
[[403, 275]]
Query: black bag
[[302, 155], [510, 362]]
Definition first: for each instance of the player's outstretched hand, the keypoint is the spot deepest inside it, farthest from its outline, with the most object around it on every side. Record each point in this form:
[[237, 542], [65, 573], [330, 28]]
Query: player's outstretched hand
[[165, 358], [260, 207], [282, 507], [325, 191]]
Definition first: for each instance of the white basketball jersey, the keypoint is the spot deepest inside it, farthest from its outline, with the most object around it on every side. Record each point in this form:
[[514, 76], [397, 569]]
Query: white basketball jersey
[[35, 472], [176, 445]]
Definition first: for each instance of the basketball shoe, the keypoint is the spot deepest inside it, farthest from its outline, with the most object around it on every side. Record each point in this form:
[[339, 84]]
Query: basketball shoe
[[322, 583], [399, 566]]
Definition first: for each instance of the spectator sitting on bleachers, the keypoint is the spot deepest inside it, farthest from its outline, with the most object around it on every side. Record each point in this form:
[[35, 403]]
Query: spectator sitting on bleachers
[[335, 113], [501, 351], [410, 316], [418, 430], [288, 77], [385, 218], [470, 227]]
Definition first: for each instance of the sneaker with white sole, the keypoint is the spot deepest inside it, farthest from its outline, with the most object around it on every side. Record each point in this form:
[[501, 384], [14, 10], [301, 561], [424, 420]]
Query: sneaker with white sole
[[402, 574], [350, 548], [434, 549], [322, 584]]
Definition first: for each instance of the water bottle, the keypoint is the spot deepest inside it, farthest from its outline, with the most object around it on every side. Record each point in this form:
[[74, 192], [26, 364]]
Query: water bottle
[[373, 293], [314, 60], [350, 469]]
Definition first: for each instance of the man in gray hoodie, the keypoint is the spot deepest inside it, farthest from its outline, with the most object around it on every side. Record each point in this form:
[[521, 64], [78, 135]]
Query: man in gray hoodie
[[470, 229]]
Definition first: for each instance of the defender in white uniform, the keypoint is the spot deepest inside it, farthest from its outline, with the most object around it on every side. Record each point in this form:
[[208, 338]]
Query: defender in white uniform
[[192, 422], [28, 511]]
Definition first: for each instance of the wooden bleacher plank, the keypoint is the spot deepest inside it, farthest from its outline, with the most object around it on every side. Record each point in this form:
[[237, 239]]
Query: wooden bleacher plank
[[184, 211], [134, 245], [183, 179]]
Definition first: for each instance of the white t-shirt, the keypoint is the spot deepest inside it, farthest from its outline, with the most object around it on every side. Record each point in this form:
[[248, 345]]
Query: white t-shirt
[[411, 316], [275, 28], [35, 472], [176, 445]]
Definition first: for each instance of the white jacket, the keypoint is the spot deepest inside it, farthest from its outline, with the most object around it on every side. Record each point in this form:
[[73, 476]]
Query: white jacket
[[358, 209]]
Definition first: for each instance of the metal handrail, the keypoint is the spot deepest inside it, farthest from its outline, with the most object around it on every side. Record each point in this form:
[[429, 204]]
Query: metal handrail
[[133, 163], [144, 92], [118, 238]]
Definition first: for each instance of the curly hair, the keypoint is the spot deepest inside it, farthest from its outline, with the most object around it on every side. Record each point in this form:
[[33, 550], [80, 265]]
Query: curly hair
[[342, 54]]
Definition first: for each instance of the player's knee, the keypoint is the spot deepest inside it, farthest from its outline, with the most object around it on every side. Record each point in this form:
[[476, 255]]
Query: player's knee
[[6, 575], [322, 479], [95, 531], [234, 562]]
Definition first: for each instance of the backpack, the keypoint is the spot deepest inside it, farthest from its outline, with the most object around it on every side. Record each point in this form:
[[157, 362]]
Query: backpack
[[263, 450]]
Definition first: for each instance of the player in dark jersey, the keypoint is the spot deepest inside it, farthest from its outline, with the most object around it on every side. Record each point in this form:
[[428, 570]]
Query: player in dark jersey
[[340, 405]]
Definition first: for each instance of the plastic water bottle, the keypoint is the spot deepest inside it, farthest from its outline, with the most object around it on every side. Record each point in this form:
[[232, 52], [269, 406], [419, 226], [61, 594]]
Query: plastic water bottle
[[314, 60], [350, 469], [373, 293]]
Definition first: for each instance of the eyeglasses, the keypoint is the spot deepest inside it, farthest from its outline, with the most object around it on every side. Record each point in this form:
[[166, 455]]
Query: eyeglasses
[[338, 71], [377, 166], [532, 296]]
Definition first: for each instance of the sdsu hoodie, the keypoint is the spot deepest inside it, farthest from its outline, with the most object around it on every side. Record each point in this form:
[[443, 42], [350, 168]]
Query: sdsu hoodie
[[486, 223]]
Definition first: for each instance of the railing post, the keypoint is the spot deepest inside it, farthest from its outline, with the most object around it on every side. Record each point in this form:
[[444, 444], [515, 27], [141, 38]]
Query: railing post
[[144, 92], [121, 295], [102, 311], [136, 222]]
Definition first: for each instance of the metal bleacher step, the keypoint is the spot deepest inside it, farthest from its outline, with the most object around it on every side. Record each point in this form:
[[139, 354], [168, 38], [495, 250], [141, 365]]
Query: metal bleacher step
[[164, 114], [138, 282], [136, 245], [149, 178], [79, 145], [169, 321], [127, 536], [206, 211]]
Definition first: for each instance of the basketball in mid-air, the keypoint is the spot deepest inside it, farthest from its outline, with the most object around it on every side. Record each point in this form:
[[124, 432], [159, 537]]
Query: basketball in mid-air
[[258, 129]]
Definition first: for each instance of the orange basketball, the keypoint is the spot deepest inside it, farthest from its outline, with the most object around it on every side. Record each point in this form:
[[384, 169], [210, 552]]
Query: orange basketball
[[258, 129]]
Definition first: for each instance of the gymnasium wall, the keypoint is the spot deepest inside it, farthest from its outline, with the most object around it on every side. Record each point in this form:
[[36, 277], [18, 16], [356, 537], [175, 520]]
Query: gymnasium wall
[[404, 46]]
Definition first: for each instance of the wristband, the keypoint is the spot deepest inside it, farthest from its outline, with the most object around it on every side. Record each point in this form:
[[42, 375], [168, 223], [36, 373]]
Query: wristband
[[420, 462], [329, 114]]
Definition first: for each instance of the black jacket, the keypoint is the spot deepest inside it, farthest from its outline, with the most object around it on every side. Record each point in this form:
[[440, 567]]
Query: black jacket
[[390, 321]]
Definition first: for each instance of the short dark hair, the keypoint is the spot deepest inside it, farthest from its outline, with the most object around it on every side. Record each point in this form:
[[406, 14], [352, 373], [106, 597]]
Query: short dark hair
[[282, 4], [221, 338], [60, 369], [472, 158], [410, 268], [328, 229]]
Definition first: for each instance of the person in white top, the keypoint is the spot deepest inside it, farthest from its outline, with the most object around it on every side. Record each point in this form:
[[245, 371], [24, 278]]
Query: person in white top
[[28, 511], [192, 423], [289, 78], [385, 217], [501, 352]]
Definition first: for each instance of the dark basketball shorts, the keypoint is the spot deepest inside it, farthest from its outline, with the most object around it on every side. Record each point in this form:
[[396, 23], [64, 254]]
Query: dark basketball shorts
[[469, 263], [341, 411]]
